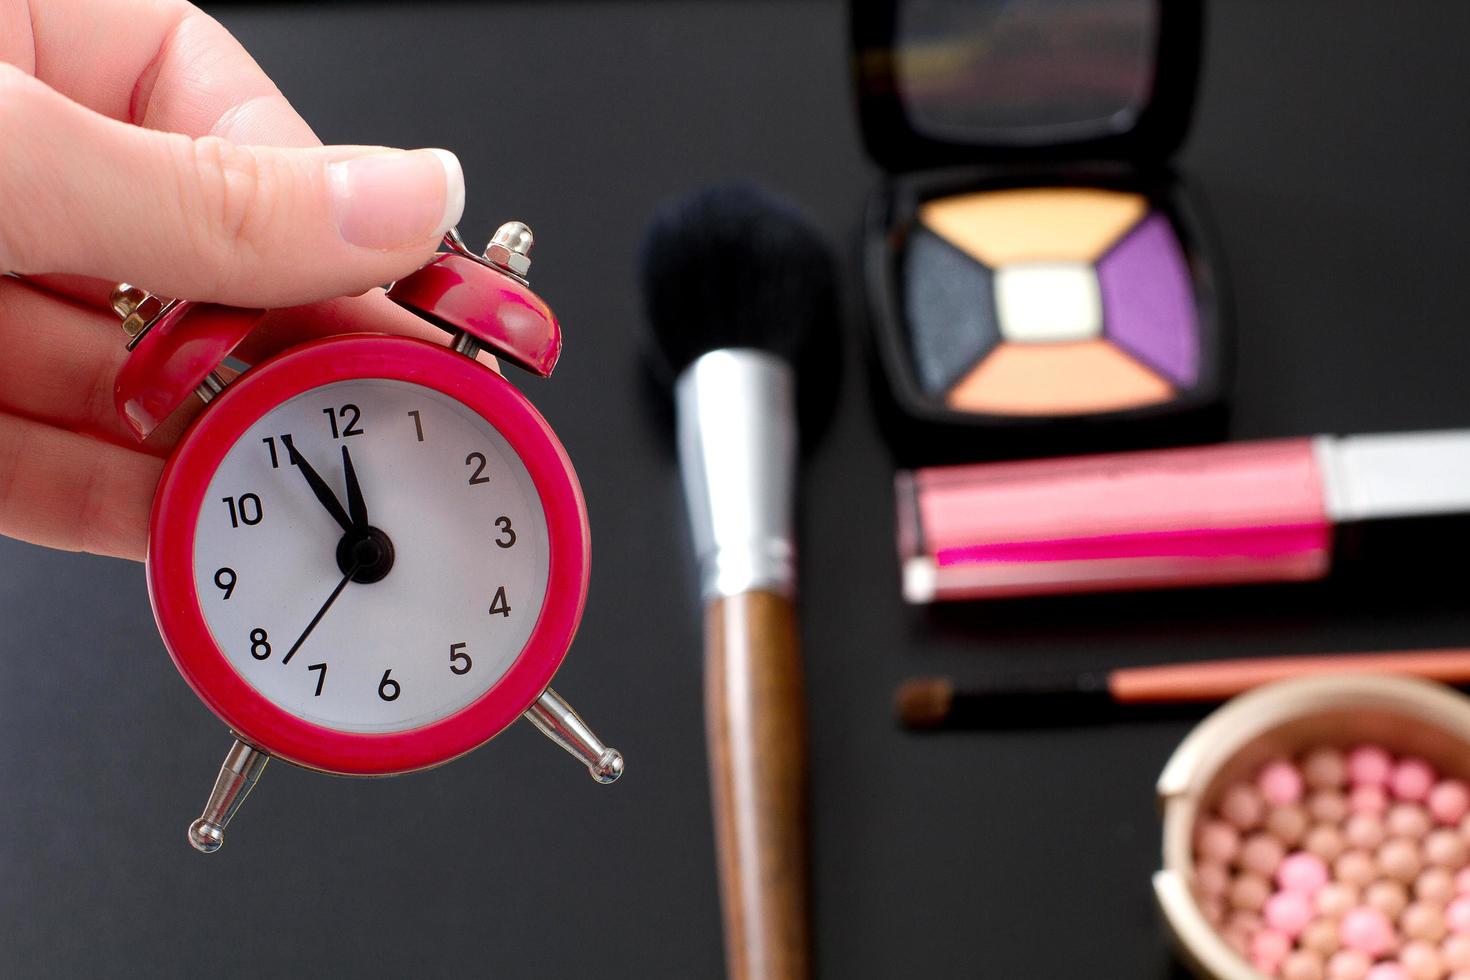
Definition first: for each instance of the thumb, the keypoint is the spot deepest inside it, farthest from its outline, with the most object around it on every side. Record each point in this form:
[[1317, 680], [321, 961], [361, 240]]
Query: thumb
[[206, 219]]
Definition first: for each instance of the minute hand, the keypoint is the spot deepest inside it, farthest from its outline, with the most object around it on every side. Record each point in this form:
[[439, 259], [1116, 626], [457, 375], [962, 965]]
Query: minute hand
[[318, 486]]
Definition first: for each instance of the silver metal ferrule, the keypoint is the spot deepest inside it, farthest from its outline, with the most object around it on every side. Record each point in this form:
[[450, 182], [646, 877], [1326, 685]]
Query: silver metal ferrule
[[737, 453], [560, 723], [237, 776]]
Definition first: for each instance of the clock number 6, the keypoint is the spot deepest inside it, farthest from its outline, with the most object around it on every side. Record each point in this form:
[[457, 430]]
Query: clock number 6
[[459, 661], [388, 688]]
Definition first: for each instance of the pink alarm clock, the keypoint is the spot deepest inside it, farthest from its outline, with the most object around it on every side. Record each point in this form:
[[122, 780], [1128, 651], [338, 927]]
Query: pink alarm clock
[[368, 554]]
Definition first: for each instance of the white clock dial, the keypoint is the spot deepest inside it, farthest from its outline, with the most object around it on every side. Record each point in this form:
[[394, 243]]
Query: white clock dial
[[468, 570]]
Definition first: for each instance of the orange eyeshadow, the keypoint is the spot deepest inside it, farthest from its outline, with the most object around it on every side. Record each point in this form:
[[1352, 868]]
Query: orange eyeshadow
[[1057, 379], [1034, 224]]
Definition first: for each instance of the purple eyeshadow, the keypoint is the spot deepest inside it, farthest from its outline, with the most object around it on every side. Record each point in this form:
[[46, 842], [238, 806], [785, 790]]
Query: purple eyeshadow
[[1148, 300]]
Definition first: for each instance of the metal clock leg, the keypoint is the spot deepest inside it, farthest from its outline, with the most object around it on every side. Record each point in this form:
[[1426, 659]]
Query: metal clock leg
[[237, 776], [560, 723]]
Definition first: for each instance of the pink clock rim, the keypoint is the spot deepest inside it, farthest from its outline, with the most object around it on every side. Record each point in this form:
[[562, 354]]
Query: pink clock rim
[[185, 480]]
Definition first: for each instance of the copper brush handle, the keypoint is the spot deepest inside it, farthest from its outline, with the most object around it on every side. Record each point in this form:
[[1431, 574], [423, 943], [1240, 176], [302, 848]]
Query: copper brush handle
[[755, 713]]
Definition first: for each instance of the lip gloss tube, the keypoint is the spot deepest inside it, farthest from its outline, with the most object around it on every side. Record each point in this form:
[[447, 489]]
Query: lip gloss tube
[[1276, 511]]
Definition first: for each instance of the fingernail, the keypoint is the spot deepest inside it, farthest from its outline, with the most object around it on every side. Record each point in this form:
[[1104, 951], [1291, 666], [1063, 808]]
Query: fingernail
[[388, 200]]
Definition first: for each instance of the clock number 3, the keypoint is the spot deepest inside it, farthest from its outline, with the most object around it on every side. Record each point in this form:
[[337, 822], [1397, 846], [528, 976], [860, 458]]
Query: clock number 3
[[508, 533]]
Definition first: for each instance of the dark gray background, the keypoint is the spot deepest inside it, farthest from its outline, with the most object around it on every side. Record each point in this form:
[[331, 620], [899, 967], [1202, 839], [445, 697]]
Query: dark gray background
[[1330, 140]]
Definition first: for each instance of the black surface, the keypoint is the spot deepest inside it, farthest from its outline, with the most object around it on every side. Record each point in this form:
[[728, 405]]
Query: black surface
[[1330, 140]]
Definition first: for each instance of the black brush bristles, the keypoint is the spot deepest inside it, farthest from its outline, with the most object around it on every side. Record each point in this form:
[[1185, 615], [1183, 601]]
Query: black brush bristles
[[732, 266]]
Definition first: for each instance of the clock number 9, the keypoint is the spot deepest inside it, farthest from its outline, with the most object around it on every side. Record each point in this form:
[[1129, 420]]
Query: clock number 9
[[260, 647], [388, 688], [225, 580], [459, 661]]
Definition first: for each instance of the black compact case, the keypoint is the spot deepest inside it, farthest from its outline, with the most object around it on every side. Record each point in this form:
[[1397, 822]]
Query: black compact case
[[1039, 280]]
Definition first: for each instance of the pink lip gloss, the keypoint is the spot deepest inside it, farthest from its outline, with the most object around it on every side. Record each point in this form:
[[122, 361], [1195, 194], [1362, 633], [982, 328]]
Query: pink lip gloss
[[1237, 512]]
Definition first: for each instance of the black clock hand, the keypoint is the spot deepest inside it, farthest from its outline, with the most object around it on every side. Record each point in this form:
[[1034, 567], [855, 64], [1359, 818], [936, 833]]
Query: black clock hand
[[320, 613], [318, 486], [356, 506]]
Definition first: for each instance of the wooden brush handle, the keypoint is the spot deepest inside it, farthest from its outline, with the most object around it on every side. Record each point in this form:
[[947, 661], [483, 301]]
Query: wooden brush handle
[[756, 716]]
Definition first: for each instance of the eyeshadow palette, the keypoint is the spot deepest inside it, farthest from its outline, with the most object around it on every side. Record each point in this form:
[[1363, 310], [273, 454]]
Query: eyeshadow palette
[[1049, 301], [1058, 288]]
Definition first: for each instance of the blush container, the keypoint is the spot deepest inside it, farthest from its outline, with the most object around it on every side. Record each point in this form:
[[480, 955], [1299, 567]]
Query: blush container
[[1407, 716], [1039, 279]]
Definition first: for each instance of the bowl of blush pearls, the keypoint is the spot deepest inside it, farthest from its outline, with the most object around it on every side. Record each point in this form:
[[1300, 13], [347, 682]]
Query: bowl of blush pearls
[[1319, 829]]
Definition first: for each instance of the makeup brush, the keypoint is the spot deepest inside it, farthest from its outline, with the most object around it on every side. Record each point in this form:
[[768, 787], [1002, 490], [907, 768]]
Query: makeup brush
[[1165, 690], [735, 282]]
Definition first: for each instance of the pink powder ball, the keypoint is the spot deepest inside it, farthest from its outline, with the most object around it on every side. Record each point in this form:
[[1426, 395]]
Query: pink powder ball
[[1462, 881], [1217, 840], [1366, 930], [1320, 936], [1454, 952], [1435, 885], [1421, 961], [1348, 964], [1369, 765], [1268, 949], [1457, 915], [1446, 849], [1412, 779], [1325, 841], [1327, 806], [1211, 879], [1387, 896], [1287, 824], [1407, 820], [1368, 798], [1262, 854], [1336, 899], [1324, 768], [1387, 970], [1302, 871], [1399, 859], [1303, 964], [1449, 801], [1288, 912], [1364, 830], [1421, 920], [1248, 892], [1356, 868], [1280, 783], [1243, 806]]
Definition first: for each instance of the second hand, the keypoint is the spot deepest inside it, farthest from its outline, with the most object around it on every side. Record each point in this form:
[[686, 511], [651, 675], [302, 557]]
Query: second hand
[[320, 613]]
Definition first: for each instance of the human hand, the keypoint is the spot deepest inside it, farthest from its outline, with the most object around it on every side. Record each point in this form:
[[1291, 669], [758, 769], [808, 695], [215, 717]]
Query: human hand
[[142, 143]]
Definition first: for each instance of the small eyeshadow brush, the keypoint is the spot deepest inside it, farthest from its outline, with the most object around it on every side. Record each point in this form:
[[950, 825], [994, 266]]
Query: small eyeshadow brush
[[1061, 699]]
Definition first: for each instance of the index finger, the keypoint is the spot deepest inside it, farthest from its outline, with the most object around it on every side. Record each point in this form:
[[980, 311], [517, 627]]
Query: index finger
[[163, 64]]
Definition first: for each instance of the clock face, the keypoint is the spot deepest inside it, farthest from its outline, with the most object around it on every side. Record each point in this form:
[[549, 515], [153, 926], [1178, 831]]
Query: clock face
[[379, 630]]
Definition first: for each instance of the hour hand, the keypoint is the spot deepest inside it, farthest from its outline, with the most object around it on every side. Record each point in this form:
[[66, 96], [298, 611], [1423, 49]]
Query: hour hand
[[318, 486]]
